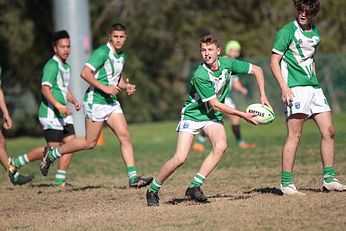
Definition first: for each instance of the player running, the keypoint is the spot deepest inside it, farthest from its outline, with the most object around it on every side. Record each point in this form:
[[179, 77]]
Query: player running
[[103, 71], [203, 111], [292, 63], [16, 179], [54, 114], [232, 50]]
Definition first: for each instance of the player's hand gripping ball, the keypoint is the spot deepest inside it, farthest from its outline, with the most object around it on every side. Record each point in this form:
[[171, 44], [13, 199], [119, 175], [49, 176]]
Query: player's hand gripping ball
[[264, 114]]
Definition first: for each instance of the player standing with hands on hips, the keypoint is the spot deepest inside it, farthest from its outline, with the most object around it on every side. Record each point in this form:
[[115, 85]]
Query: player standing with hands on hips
[[293, 65], [103, 71], [203, 111]]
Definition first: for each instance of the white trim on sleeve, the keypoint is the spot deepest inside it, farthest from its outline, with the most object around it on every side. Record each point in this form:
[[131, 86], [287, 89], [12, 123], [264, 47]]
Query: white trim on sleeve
[[46, 83], [207, 99], [90, 66], [250, 69], [277, 51]]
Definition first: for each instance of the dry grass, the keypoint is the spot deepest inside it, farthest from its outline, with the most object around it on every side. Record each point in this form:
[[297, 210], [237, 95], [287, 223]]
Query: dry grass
[[242, 190]]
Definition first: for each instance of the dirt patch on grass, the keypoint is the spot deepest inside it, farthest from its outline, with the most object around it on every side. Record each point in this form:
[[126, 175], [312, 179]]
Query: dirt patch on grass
[[106, 203]]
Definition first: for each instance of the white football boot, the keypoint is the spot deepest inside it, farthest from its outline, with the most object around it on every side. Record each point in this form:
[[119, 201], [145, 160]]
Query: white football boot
[[290, 190], [335, 185]]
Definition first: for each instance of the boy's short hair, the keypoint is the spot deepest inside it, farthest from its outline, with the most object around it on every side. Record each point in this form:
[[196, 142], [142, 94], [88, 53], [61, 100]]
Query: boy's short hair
[[311, 6], [59, 35], [210, 39], [117, 27]]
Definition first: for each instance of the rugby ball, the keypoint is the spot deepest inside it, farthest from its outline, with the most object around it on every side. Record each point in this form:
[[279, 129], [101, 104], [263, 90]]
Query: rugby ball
[[264, 114]]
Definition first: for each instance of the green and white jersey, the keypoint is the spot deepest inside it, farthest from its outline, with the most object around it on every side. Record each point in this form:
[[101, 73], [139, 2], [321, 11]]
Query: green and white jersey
[[298, 48], [56, 75], [206, 85], [107, 66]]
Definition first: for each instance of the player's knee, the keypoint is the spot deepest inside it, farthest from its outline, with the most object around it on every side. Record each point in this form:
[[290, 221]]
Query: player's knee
[[179, 160], [329, 133], [220, 147], [295, 137]]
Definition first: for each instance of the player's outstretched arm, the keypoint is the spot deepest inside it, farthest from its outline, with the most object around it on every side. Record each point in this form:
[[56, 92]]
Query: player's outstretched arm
[[287, 94], [88, 75], [217, 106]]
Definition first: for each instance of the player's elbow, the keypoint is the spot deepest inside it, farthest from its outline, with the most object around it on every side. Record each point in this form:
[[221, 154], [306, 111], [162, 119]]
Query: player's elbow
[[257, 70]]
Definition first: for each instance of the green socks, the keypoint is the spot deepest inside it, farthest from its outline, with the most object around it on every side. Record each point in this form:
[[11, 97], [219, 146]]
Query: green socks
[[155, 186], [328, 174], [54, 154], [132, 173], [60, 177], [21, 160], [286, 178], [197, 181]]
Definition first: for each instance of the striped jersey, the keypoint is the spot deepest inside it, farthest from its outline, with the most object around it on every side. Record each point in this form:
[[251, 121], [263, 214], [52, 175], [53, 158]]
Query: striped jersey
[[56, 75], [107, 65], [297, 48], [206, 84]]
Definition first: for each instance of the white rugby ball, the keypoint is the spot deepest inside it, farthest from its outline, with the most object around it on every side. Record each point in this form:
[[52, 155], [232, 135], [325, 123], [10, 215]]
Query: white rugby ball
[[264, 114]]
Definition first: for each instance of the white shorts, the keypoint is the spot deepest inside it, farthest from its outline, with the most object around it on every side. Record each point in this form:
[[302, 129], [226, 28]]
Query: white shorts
[[229, 102], [101, 112], [55, 123], [195, 127], [307, 100]]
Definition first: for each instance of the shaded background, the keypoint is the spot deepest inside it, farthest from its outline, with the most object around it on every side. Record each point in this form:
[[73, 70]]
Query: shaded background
[[163, 49]]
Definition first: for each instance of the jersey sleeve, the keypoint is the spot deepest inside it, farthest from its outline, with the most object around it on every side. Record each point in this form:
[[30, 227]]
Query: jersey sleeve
[[204, 88], [97, 58], [239, 67], [282, 41], [50, 72]]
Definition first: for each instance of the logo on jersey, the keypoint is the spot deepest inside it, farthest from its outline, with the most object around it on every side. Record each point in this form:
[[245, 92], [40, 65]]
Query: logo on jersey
[[300, 41], [186, 125], [297, 105]]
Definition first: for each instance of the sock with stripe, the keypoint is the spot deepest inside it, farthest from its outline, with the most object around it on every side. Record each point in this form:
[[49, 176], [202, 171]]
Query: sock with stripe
[[197, 181], [155, 186], [286, 178], [60, 177], [22, 160], [54, 153], [328, 174], [132, 173]]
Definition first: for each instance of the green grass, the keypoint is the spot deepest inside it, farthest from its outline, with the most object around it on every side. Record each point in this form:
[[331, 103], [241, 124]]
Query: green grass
[[154, 143], [241, 189]]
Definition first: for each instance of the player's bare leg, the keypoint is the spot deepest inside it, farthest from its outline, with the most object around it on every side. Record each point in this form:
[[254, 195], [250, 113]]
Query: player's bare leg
[[3, 153], [295, 124], [217, 135], [9, 166], [93, 130], [118, 124], [180, 156], [325, 124]]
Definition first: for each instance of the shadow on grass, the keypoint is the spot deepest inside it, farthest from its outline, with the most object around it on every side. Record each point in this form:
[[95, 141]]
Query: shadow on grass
[[74, 188], [266, 190], [217, 197]]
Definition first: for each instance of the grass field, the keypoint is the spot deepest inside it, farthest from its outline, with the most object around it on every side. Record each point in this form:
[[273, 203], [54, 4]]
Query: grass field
[[241, 190]]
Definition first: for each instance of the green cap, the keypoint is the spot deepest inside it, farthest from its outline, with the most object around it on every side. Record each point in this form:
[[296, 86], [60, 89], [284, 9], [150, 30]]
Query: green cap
[[232, 44]]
